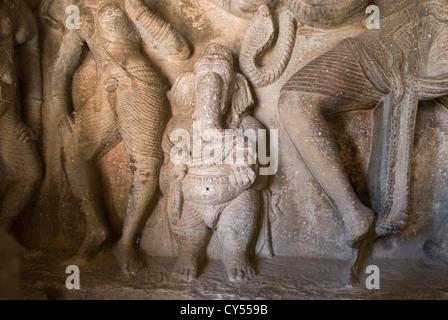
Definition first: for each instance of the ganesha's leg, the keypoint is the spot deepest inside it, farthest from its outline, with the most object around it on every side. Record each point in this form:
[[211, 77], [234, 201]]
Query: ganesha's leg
[[192, 236], [142, 118], [236, 231], [94, 132], [320, 88], [23, 169]]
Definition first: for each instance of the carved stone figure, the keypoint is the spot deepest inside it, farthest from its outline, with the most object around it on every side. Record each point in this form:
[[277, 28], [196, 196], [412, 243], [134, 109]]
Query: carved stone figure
[[129, 104], [397, 66], [204, 196], [262, 31], [19, 127]]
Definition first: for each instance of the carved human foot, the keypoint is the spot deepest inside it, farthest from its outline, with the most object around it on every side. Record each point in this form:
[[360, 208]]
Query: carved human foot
[[238, 267], [185, 269], [128, 259], [90, 247], [392, 223], [96, 235], [358, 224]]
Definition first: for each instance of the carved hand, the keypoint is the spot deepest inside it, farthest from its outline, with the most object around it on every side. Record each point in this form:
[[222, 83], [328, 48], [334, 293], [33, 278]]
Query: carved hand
[[242, 178], [179, 171], [67, 124], [33, 119], [23, 132]]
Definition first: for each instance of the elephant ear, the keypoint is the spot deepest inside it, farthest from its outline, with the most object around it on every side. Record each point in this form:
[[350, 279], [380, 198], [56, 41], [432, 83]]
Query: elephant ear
[[181, 94], [242, 96]]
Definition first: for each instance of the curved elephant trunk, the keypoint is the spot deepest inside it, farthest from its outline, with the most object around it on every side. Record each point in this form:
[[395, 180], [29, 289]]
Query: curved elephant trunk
[[210, 100], [260, 34], [258, 38]]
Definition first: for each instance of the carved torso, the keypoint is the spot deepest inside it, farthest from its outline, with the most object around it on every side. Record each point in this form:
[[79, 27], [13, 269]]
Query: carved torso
[[112, 38], [14, 30]]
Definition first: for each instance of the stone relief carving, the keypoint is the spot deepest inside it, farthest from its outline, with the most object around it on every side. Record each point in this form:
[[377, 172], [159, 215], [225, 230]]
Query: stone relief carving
[[20, 116], [216, 196], [388, 73], [398, 66], [262, 31], [437, 244], [129, 104]]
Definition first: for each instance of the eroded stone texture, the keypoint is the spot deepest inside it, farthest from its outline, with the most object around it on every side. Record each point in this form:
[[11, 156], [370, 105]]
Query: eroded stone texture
[[319, 85]]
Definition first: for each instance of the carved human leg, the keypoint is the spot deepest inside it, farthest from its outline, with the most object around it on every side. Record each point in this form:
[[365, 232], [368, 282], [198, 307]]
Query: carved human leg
[[142, 114], [144, 182], [94, 132], [314, 92], [237, 228], [22, 165]]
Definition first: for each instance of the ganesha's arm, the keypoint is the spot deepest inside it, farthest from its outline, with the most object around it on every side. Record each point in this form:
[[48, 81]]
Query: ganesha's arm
[[165, 178], [31, 73], [158, 32]]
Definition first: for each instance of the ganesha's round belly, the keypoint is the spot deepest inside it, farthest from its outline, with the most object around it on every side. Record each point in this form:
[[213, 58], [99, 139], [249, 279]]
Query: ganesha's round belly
[[209, 190]]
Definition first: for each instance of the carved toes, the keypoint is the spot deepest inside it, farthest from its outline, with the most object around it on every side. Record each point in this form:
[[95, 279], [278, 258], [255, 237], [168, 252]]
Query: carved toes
[[241, 274], [128, 259], [184, 274]]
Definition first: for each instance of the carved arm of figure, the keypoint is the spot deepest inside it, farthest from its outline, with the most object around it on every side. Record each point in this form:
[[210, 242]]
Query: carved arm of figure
[[170, 172], [31, 71], [157, 32], [240, 118]]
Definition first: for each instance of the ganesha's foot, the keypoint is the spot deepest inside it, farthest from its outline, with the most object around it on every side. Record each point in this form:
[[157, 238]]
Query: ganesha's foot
[[186, 268], [128, 258], [358, 225], [238, 267], [392, 223], [437, 249]]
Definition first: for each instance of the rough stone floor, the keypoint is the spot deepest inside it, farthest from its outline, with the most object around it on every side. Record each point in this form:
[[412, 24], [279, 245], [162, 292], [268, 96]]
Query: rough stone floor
[[280, 278]]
